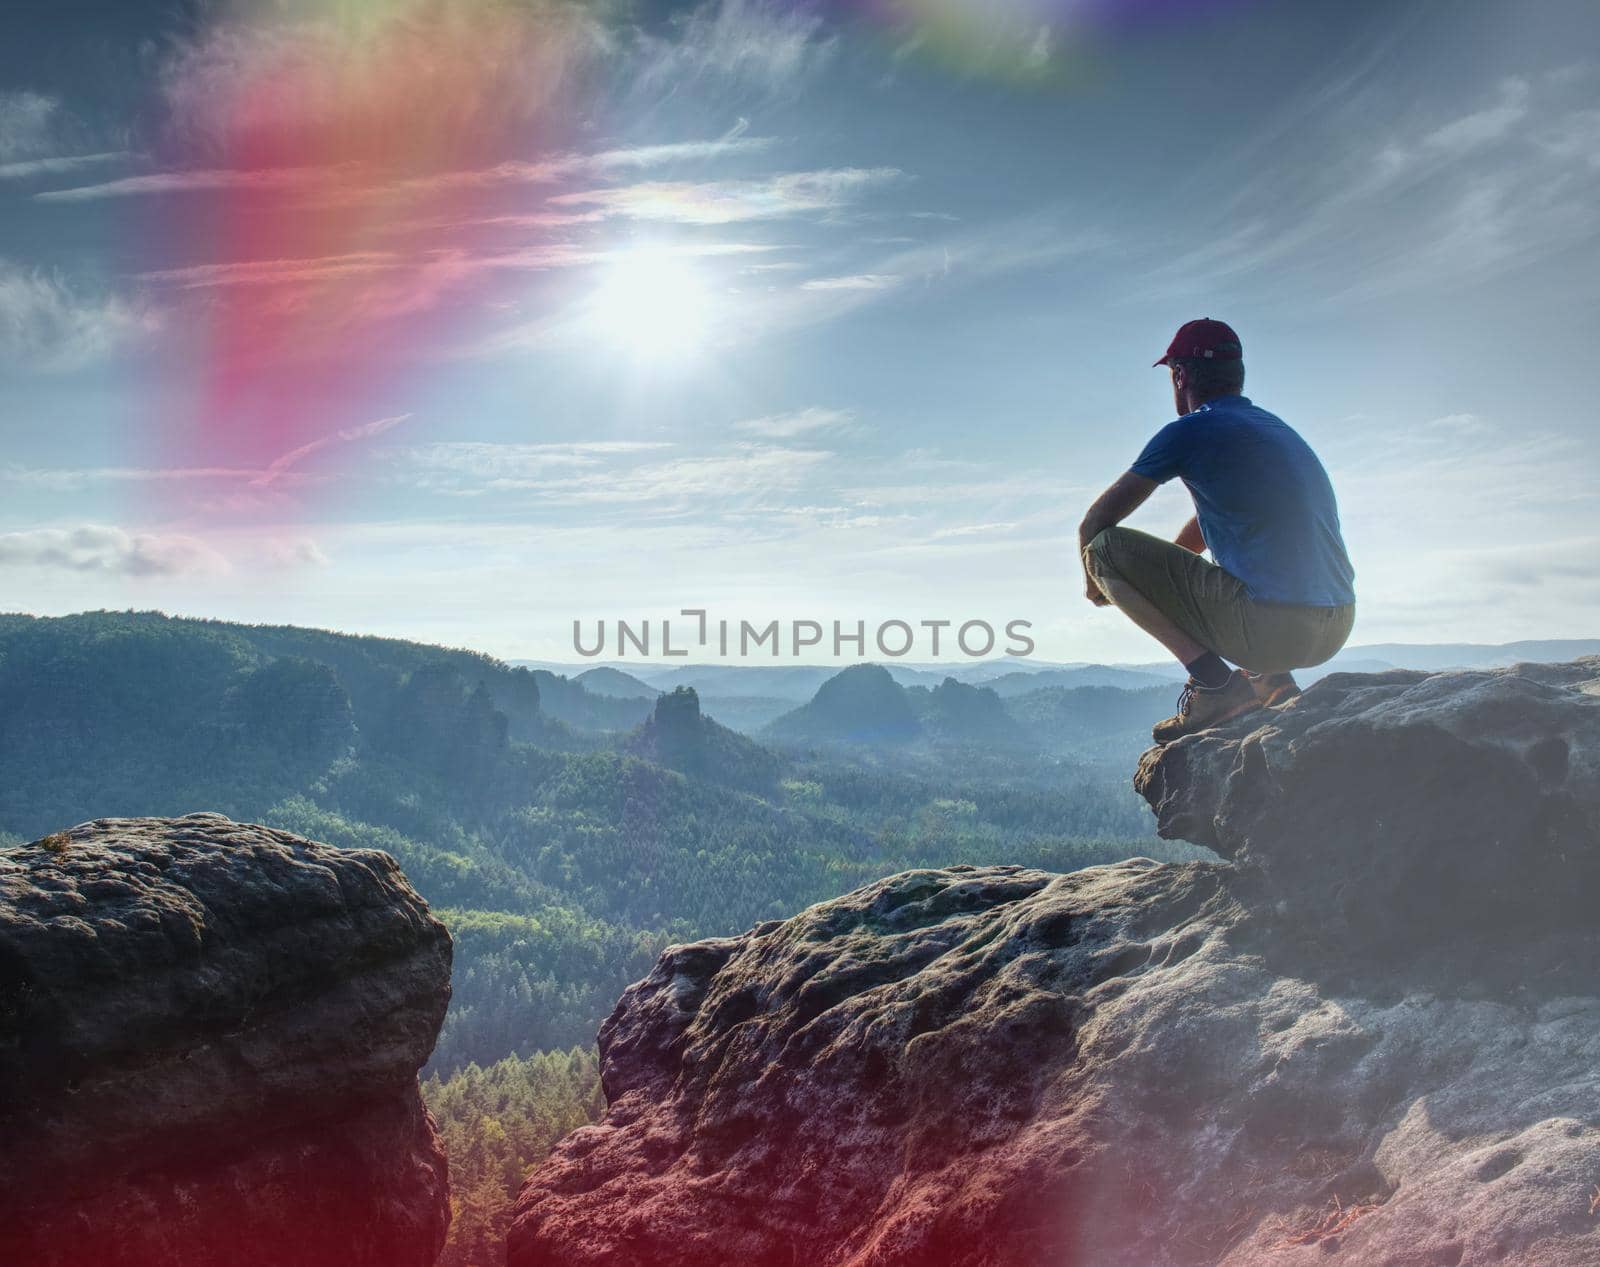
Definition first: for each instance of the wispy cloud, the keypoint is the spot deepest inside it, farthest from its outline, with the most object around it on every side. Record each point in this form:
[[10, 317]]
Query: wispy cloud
[[446, 64], [854, 281], [26, 169], [730, 201], [476, 466], [281, 466], [276, 272], [1425, 204], [48, 324], [189, 181], [748, 45], [83, 476], [357, 182], [26, 120], [612, 473], [801, 422], [294, 552], [109, 550], [38, 138]]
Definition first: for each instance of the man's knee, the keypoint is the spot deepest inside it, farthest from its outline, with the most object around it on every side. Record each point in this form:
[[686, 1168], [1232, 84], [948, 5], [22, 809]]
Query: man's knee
[[1100, 555]]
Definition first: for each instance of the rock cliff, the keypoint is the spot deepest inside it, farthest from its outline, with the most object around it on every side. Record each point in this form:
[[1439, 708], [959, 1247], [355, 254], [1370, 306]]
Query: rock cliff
[[209, 1042], [1369, 1035]]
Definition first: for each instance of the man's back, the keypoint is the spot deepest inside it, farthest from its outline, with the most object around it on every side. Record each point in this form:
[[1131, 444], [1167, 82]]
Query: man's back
[[1264, 501]]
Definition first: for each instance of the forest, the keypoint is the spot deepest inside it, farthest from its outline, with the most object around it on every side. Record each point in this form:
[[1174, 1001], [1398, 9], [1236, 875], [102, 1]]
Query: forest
[[563, 852]]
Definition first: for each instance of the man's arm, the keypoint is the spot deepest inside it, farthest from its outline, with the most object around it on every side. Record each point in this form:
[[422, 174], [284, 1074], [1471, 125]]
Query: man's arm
[[1111, 508], [1191, 538]]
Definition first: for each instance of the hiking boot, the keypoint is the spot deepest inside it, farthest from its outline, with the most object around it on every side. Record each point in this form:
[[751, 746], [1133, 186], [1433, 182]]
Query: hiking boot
[[1274, 689], [1200, 707]]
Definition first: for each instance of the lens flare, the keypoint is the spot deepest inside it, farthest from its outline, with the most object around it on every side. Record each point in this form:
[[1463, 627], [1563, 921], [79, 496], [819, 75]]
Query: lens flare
[[346, 186], [342, 170]]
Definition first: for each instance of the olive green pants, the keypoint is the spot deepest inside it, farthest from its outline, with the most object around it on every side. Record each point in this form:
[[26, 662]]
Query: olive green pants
[[1212, 606]]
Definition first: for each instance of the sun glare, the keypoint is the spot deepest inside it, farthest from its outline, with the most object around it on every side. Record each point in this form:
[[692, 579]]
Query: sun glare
[[651, 306]]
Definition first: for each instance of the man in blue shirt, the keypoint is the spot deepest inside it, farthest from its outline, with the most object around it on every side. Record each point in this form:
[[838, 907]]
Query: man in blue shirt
[[1280, 594]]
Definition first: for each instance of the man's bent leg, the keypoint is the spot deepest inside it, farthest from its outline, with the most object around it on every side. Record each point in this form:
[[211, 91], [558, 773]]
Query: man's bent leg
[[1188, 604], [1191, 607], [1139, 609]]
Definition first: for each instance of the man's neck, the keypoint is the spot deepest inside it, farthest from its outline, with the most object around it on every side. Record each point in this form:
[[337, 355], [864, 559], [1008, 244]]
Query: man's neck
[[1192, 400]]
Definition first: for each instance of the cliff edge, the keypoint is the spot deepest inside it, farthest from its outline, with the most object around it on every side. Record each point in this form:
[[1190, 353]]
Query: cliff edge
[[209, 1042], [1370, 1035]]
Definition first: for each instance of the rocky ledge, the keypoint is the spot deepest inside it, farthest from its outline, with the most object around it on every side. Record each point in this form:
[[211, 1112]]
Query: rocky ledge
[[209, 1042], [1154, 1065]]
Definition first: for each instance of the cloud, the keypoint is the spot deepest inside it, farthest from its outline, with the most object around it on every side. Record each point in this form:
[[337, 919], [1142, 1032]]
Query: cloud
[[742, 45], [26, 123], [81, 477], [605, 473], [801, 422], [108, 550], [281, 466], [27, 168], [378, 76], [1482, 127], [346, 183], [294, 552], [266, 178], [729, 201], [46, 324], [277, 272], [475, 466], [1431, 204], [973, 530], [34, 130], [856, 281]]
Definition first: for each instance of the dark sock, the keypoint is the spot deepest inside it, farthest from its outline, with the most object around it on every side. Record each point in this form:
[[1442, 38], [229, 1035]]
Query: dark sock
[[1210, 670]]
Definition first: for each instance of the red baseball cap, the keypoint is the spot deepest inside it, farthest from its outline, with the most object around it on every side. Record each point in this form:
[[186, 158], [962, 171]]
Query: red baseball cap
[[1214, 340]]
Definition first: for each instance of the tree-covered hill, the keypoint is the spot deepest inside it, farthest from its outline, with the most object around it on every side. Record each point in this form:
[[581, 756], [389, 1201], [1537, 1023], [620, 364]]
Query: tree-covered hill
[[563, 858], [564, 850]]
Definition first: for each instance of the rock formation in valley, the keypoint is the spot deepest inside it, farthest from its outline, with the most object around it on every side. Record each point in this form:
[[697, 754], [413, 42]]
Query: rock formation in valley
[[209, 1042], [1369, 1034]]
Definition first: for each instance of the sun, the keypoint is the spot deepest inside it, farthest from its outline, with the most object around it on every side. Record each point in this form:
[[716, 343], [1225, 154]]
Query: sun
[[651, 306]]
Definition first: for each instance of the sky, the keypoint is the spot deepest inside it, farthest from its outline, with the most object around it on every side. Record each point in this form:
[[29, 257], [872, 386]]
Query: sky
[[464, 320]]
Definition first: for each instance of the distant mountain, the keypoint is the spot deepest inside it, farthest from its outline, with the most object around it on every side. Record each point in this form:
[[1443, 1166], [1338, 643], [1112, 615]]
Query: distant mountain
[[1014, 684], [615, 684], [861, 705], [1432, 657], [959, 713], [795, 683], [1100, 723], [745, 713], [567, 700], [678, 736], [1428, 657], [763, 685]]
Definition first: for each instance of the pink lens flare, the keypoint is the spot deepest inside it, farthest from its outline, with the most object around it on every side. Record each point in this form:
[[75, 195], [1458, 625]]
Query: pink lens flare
[[339, 182]]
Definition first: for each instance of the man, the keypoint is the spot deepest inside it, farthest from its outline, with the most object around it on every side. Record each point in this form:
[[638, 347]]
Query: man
[[1280, 595]]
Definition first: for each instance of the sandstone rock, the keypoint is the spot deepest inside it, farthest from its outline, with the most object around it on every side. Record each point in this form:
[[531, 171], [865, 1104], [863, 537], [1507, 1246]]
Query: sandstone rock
[[1405, 807], [1145, 1065], [209, 1042]]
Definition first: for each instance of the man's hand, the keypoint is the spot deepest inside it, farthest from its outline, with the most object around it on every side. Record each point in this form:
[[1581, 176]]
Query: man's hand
[[1191, 538], [1110, 508]]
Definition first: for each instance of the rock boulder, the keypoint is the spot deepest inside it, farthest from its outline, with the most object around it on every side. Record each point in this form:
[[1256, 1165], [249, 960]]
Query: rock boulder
[[1151, 1065], [209, 1042]]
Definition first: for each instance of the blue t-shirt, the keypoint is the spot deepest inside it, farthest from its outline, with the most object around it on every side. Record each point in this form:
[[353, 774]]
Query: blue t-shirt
[[1263, 500]]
